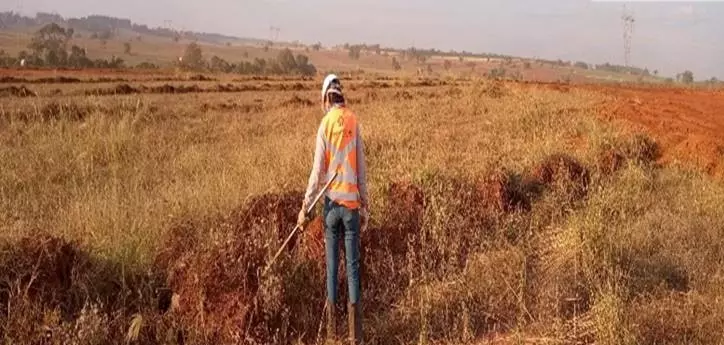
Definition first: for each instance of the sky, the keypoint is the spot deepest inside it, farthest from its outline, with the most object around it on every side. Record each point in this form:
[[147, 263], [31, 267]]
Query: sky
[[668, 36]]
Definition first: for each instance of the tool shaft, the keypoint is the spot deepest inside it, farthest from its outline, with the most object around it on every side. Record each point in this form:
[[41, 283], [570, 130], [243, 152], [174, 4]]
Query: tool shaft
[[296, 228]]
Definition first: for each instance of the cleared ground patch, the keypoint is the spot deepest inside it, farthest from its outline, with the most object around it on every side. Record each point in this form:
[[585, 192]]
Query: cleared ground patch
[[687, 122]]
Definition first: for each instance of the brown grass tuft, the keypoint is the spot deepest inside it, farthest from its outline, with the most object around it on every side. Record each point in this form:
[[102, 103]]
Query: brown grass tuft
[[15, 91], [610, 161], [677, 318], [641, 149], [296, 101], [69, 111], [200, 77], [563, 174], [495, 89], [120, 89]]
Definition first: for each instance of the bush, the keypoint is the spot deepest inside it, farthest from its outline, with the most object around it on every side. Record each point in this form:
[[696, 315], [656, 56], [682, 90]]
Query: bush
[[496, 73], [146, 65], [396, 64]]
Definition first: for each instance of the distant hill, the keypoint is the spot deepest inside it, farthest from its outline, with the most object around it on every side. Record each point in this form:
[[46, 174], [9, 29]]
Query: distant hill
[[106, 26]]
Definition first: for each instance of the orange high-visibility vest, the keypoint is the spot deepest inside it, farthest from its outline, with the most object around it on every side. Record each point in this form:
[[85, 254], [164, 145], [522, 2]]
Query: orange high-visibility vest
[[340, 140]]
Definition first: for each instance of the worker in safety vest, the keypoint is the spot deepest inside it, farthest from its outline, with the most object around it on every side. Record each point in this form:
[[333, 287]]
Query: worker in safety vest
[[339, 148]]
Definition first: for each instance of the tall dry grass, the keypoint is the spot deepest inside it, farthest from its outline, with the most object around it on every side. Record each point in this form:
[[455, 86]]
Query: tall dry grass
[[633, 258]]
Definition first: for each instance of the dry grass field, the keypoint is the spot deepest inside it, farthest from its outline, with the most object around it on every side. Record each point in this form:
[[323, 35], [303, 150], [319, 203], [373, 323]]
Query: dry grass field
[[140, 210]]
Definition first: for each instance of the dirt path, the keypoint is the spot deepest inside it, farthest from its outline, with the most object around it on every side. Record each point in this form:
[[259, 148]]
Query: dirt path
[[689, 124]]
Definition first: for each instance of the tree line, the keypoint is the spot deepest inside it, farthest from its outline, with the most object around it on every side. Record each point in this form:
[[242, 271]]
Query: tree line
[[49, 48], [286, 63]]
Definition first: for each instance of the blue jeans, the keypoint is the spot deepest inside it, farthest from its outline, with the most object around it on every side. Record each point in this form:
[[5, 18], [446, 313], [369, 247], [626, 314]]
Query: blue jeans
[[338, 221]]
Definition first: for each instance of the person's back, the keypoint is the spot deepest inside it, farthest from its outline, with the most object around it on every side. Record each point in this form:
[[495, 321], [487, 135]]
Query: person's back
[[342, 141], [339, 148]]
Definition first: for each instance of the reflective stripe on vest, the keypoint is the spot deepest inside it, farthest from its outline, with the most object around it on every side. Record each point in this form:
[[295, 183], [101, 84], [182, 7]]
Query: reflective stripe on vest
[[343, 189]]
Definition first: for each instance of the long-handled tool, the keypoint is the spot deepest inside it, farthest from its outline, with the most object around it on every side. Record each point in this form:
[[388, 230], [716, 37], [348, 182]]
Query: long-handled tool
[[296, 228]]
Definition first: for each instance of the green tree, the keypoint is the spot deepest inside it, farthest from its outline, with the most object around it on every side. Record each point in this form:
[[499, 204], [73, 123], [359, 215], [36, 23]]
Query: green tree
[[687, 77], [78, 58], [286, 61], [193, 58], [50, 43], [355, 52], [304, 66]]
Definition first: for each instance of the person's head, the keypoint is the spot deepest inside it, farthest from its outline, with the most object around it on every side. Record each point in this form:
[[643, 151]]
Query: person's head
[[331, 93]]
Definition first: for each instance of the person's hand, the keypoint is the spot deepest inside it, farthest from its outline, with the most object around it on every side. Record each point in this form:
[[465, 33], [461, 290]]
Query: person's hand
[[302, 219], [364, 219]]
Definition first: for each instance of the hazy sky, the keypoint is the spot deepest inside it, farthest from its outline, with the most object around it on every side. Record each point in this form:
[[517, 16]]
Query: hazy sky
[[668, 36]]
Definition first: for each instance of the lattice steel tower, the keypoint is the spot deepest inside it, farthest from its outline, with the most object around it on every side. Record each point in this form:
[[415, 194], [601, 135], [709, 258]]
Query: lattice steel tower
[[628, 27]]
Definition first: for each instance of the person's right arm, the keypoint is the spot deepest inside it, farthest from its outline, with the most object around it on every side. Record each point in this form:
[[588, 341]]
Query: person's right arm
[[361, 170], [319, 169]]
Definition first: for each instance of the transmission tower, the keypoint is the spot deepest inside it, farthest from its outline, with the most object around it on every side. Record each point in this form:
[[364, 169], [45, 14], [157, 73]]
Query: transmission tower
[[627, 19], [18, 10], [274, 33]]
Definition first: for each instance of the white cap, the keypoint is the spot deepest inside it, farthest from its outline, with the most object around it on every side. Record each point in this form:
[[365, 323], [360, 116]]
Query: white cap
[[327, 82]]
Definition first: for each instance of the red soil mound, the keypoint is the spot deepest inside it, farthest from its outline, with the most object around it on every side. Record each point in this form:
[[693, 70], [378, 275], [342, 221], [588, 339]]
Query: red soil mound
[[609, 161], [403, 216], [312, 246], [271, 211], [497, 194], [563, 174], [214, 265], [46, 269]]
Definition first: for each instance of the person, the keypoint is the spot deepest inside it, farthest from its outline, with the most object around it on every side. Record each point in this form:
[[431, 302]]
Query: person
[[339, 148]]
